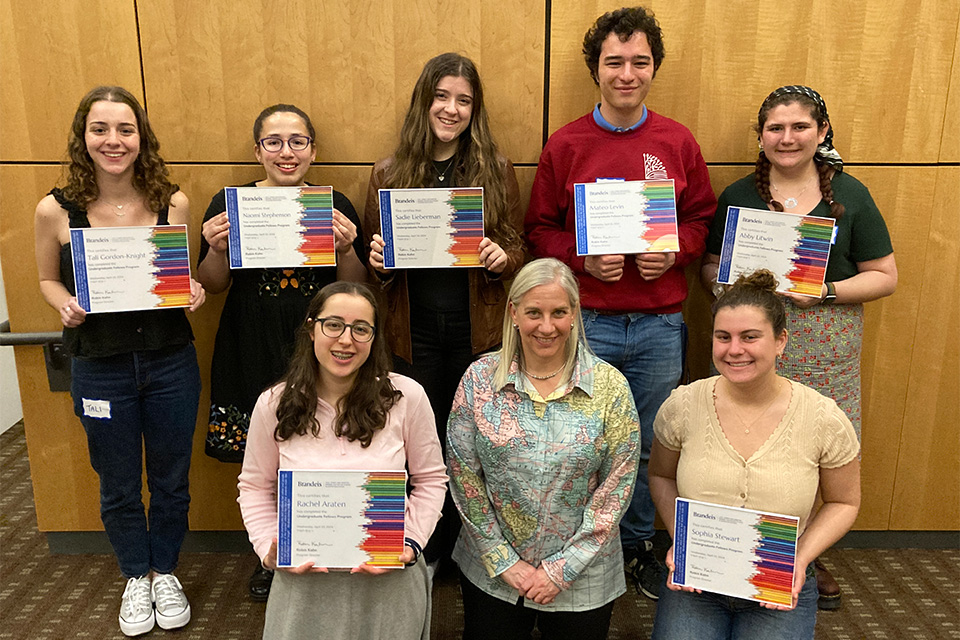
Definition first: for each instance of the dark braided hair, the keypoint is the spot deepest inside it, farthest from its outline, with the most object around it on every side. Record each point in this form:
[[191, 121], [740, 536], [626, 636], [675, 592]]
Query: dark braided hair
[[825, 171]]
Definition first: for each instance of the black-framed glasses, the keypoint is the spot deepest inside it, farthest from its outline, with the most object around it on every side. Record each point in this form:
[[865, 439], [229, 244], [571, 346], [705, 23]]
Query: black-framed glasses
[[296, 143], [334, 328]]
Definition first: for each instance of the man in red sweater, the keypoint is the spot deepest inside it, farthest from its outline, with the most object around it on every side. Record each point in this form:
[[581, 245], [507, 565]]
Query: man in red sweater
[[631, 304]]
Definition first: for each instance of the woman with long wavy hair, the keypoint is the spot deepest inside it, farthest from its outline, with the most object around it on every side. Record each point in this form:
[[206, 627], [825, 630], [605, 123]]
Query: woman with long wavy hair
[[440, 319], [339, 407], [135, 381]]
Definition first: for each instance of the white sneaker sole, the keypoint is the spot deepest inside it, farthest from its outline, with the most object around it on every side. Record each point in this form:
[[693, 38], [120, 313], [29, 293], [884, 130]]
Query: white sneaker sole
[[174, 622], [137, 628]]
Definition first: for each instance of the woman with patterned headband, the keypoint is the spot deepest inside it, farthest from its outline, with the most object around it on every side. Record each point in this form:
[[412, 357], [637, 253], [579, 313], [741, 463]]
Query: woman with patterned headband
[[799, 171]]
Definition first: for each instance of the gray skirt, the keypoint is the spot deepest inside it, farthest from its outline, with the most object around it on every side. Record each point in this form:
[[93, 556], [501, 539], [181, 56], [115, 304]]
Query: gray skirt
[[343, 606]]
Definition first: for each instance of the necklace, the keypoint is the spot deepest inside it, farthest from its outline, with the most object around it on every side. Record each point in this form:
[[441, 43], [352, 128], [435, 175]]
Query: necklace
[[119, 212], [442, 175], [747, 427], [791, 203], [546, 377]]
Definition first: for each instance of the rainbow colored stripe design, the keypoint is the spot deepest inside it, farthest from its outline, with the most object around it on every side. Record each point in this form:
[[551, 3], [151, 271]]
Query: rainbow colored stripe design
[[173, 266], [467, 223], [317, 223], [775, 555], [661, 211], [384, 511], [810, 255]]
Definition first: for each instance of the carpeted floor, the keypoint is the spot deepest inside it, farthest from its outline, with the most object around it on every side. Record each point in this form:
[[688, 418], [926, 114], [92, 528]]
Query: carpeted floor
[[909, 594]]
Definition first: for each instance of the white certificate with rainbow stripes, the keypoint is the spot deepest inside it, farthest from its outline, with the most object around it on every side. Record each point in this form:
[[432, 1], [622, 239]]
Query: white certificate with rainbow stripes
[[340, 519], [131, 268], [735, 552], [280, 227], [431, 227], [793, 247], [625, 217]]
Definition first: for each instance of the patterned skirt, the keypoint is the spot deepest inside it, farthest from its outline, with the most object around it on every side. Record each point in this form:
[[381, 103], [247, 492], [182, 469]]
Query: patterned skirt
[[823, 352]]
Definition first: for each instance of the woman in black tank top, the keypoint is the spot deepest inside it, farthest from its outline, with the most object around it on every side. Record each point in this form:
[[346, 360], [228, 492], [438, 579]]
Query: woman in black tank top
[[136, 384]]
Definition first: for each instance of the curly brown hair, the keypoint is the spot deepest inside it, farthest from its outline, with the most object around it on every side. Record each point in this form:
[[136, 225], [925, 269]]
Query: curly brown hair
[[361, 412], [623, 22], [477, 157], [149, 171]]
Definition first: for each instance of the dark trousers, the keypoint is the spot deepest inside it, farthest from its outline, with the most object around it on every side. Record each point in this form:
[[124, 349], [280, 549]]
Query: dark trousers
[[442, 351], [489, 618]]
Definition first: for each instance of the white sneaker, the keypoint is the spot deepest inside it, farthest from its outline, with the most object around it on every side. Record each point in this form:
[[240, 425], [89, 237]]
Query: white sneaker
[[173, 610], [136, 608]]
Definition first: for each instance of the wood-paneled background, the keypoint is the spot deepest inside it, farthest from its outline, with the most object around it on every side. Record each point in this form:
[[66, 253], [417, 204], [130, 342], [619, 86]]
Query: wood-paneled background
[[888, 69]]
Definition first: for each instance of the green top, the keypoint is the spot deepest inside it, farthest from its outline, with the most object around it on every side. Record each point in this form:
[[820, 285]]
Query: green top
[[861, 235]]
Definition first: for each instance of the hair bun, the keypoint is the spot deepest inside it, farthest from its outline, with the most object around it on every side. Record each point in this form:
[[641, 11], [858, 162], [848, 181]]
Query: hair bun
[[759, 279]]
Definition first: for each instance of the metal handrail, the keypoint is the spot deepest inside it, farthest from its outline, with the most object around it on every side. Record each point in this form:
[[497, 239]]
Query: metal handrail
[[8, 339]]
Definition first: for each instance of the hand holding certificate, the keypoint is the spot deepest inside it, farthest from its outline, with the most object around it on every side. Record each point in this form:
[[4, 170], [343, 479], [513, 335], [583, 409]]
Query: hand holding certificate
[[131, 268], [431, 227], [341, 519], [280, 227], [736, 552], [621, 217], [794, 248]]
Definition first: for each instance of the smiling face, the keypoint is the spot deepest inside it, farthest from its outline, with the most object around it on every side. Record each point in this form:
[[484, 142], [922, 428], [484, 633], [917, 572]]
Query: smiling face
[[790, 136], [286, 167], [341, 358], [450, 114], [624, 74], [745, 348], [544, 317], [112, 137]]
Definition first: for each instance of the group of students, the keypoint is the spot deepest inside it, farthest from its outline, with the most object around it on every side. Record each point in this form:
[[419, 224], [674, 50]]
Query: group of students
[[551, 407]]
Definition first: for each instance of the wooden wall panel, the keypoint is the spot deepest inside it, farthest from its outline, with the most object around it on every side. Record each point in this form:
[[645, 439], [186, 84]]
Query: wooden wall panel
[[950, 139], [211, 67], [927, 490], [49, 60], [877, 71]]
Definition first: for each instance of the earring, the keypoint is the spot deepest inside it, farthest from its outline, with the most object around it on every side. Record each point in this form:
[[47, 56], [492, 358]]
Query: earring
[[516, 327]]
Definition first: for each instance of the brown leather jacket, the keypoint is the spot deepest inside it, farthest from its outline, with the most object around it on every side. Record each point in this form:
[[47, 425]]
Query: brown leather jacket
[[487, 295]]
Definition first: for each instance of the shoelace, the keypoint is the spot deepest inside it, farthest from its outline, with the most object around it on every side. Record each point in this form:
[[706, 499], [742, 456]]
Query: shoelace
[[136, 597], [167, 591]]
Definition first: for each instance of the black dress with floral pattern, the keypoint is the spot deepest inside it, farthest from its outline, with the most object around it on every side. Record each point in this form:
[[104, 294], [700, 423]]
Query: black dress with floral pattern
[[260, 317]]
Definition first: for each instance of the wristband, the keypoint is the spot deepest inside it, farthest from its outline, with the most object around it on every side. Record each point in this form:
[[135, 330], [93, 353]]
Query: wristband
[[413, 544], [831, 295]]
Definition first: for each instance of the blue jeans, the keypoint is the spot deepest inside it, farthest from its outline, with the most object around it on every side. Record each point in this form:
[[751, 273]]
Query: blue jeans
[[648, 350], [145, 401], [709, 616]]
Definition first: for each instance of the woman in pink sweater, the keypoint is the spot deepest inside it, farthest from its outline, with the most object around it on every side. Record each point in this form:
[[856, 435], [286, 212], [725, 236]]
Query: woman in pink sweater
[[338, 407]]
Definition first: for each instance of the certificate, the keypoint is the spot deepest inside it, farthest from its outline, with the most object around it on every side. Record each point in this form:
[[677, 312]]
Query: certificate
[[131, 268], [794, 248], [735, 552], [431, 227], [340, 519], [280, 227], [638, 216]]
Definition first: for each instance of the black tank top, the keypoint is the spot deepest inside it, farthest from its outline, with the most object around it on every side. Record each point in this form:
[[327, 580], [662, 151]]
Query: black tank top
[[108, 334]]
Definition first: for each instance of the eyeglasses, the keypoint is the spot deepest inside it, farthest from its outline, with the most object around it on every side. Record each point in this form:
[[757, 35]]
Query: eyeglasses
[[296, 143], [334, 328]]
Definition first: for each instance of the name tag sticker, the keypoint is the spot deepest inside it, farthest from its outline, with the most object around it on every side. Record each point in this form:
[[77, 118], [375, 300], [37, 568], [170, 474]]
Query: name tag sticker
[[611, 179], [96, 408], [833, 238]]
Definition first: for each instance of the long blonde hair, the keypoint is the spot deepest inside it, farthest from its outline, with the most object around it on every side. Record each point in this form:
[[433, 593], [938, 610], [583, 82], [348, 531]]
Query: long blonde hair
[[533, 274]]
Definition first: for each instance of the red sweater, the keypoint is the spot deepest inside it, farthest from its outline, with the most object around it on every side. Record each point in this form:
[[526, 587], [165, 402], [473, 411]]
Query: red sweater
[[582, 152]]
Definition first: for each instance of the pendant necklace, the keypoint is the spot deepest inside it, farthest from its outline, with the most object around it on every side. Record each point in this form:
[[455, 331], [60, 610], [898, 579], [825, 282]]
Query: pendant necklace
[[119, 207], [442, 175], [546, 377], [747, 427], [791, 203]]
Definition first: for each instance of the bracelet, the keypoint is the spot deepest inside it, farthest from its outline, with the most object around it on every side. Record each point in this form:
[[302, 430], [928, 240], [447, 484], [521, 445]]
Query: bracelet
[[417, 550]]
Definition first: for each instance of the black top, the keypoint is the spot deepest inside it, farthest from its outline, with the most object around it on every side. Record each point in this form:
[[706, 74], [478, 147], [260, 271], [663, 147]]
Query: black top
[[108, 334]]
